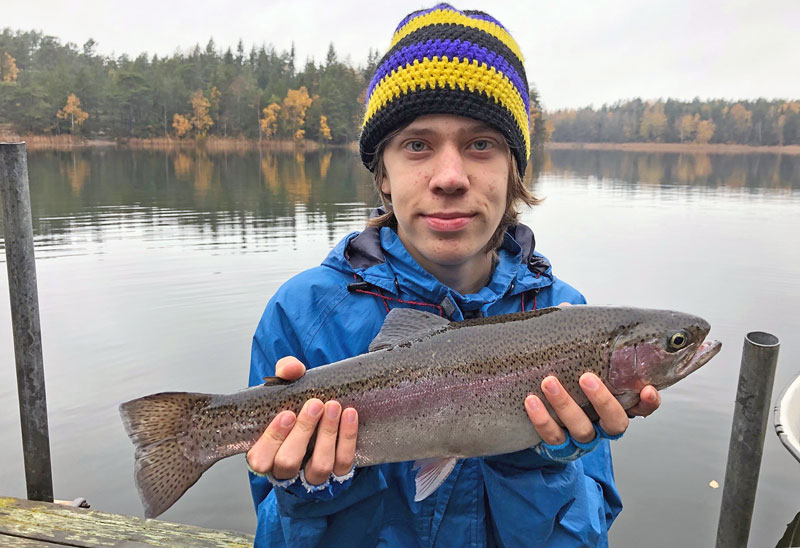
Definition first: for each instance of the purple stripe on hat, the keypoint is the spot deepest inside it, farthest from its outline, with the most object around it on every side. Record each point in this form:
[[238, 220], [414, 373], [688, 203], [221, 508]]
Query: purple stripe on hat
[[452, 49], [420, 13], [484, 17]]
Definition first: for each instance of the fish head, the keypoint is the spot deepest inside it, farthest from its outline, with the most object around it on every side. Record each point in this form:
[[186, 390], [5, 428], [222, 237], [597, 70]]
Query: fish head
[[658, 348]]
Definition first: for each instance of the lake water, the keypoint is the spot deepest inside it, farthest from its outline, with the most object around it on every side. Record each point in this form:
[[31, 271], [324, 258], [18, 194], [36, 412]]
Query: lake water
[[154, 268]]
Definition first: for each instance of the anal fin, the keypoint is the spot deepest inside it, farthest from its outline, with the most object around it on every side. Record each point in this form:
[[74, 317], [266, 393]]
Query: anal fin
[[431, 473]]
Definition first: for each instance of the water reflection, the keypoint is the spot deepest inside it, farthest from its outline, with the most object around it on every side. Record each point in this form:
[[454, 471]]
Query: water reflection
[[242, 200], [767, 172], [247, 200]]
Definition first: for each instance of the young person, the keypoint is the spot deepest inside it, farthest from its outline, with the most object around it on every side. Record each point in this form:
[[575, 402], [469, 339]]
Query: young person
[[446, 133]]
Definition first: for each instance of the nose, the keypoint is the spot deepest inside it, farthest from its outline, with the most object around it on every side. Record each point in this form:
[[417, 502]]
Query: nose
[[450, 174]]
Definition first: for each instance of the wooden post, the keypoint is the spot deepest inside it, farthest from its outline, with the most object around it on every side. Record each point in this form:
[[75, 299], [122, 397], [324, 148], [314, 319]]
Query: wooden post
[[756, 377], [18, 225]]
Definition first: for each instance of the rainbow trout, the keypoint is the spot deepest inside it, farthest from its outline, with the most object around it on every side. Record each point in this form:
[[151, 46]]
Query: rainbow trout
[[428, 390]]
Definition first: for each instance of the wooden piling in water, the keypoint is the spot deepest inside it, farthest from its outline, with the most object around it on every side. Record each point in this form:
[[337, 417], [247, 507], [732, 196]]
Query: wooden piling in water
[[18, 227], [756, 377]]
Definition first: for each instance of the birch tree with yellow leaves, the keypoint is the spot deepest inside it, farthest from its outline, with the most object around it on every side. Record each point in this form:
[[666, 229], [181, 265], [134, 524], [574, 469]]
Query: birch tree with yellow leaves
[[181, 125], [200, 119], [269, 123], [8, 68], [72, 110], [324, 130], [293, 112]]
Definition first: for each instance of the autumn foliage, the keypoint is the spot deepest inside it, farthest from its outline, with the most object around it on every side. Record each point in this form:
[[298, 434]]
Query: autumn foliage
[[72, 110], [293, 112], [324, 130], [758, 122], [181, 125], [269, 122], [8, 68]]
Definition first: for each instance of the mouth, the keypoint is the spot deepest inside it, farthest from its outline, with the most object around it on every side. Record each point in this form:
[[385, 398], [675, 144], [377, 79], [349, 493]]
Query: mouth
[[707, 350], [448, 221]]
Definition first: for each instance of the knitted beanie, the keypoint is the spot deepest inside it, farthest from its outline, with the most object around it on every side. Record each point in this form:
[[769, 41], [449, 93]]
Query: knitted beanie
[[446, 61]]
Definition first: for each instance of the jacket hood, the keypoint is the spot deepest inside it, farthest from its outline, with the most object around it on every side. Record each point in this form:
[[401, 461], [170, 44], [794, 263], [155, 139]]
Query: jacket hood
[[378, 257]]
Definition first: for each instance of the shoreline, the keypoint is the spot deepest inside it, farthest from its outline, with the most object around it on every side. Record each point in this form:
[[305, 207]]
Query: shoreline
[[212, 144], [226, 144], [691, 148]]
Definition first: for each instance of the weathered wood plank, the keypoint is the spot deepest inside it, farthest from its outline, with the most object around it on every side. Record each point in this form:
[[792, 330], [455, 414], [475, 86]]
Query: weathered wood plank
[[65, 526], [19, 542]]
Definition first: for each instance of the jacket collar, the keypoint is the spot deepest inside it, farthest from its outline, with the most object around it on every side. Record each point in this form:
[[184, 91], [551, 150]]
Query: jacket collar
[[378, 257]]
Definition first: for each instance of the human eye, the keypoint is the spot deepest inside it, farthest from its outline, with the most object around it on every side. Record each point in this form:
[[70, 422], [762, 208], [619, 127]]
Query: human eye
[[482, 145], [415, 146]]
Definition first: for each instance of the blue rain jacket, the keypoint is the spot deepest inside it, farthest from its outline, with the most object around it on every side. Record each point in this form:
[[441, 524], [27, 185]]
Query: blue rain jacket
[[332, 312]]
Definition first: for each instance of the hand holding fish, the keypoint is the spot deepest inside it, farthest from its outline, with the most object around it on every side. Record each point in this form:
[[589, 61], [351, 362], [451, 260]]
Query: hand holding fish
[[613, 417], [282, 447]]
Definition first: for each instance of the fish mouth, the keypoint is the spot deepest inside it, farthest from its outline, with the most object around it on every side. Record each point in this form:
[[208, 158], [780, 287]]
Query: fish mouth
[[704, 353]]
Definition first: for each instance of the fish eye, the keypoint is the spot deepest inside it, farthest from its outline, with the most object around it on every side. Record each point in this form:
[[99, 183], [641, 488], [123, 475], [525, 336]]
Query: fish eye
[[677, 340]]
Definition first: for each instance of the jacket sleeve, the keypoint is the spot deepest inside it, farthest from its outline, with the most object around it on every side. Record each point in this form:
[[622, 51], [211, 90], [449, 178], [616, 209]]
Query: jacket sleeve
[[574, 504], [277, 336]]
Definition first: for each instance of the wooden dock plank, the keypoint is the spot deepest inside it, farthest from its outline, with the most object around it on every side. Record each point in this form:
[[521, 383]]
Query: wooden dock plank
[[19, 542], [58, 525]]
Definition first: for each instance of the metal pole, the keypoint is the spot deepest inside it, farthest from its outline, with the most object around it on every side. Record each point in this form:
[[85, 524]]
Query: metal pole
[[756, 376], [18, 225]]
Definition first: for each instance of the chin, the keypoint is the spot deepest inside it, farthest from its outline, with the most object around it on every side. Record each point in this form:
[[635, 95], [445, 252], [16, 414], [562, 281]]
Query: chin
[[450, 255]]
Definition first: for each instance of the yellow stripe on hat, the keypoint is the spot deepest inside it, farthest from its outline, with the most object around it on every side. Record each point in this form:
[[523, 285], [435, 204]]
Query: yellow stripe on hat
[[453, 17], [456, 74]]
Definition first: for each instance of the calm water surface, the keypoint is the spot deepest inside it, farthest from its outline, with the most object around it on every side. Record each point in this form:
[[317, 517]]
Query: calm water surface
[[154, 268]]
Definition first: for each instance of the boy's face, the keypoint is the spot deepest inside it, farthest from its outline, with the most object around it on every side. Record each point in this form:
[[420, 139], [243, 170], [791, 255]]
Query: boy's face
[[447, 177]]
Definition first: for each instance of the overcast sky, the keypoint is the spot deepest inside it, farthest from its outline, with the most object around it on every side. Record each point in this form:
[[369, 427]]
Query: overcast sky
[[577, 52]]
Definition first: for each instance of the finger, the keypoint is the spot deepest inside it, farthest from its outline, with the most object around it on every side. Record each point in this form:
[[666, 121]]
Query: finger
[[289, 368], [290, 456], [649, 401], [261, 456], [613, 418], [565, 304], [318, 469], [547, 428], [346, 444], [570, 413]]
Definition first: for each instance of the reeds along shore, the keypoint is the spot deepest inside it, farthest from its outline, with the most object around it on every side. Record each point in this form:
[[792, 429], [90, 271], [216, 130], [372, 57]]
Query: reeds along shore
[[228, 144]]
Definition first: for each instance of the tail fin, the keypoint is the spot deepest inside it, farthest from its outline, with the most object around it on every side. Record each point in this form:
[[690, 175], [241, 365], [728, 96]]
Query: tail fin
[[154, 424]]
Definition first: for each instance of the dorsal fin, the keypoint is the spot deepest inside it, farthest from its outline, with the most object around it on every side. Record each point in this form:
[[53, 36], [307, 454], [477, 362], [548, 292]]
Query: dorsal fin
[[405, 325], [273, 381]]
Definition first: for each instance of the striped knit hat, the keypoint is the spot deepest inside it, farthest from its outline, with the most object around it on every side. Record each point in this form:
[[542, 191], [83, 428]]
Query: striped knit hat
[[446, 61]]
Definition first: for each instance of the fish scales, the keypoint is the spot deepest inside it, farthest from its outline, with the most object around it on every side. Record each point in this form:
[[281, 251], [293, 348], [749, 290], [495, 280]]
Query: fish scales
[[443, 390]]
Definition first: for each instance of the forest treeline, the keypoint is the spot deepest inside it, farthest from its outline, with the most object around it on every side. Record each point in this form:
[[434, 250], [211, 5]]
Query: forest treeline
[[50, 88], [759, 122], [47, 87]]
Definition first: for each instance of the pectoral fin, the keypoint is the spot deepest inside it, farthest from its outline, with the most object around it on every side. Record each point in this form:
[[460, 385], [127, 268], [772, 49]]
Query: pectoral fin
[[431, 473]]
